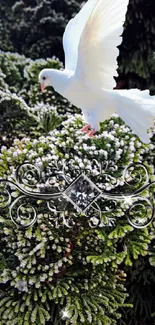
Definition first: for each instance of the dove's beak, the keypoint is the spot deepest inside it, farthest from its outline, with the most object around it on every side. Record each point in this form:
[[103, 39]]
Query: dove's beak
[[42, 87]]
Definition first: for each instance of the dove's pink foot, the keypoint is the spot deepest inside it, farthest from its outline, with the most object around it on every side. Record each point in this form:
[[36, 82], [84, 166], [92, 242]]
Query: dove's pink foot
[[85, 128], [91, 133]]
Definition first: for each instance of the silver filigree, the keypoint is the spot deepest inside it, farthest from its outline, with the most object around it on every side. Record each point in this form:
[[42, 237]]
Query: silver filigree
[[68, 193], [82, 193], [23, 211]]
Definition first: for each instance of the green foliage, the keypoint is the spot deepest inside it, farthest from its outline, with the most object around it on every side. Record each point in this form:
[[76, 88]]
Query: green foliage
[[45, 281], [136, 245], [35, 28], [14, 117], [21, 101], [48, 119], [86, 283], [136, 59]]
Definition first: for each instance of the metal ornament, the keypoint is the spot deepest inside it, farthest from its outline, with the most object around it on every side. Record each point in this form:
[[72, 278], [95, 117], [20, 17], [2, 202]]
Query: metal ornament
[[65, 194]]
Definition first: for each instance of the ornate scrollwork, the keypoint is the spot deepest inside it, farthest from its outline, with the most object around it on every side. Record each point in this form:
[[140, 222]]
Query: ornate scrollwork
[[71, 192], [28, 175], [23, 211]]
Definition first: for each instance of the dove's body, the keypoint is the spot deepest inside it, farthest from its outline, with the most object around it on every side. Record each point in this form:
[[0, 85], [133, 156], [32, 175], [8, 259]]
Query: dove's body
[[82, 96], [90, 43], [74, 89], [76, 92]]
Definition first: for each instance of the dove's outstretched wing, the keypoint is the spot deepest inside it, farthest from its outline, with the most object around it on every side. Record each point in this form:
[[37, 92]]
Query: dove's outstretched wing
[[97, 52], [73, 31]]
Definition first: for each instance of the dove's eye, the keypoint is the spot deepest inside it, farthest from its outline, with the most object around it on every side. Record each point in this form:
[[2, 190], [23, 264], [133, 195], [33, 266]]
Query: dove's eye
[[44, 78]]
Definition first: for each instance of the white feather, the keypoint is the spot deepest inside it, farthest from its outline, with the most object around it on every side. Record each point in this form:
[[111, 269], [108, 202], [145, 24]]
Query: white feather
[[97, 54], [73, 33], [137, 109]]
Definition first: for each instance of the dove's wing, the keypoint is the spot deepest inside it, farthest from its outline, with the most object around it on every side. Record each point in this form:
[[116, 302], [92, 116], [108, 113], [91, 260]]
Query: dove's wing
[[97, 52], [73, 33]]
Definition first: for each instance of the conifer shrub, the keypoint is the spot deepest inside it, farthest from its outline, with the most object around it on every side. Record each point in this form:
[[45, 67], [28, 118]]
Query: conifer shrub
[[58, 274]]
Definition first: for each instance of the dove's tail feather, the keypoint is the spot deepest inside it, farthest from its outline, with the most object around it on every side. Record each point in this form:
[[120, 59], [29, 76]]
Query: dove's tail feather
[[137, 109]]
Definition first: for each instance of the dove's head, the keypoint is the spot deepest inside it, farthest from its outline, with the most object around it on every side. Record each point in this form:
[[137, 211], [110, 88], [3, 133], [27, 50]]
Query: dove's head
[[45, 78], [56, 78]]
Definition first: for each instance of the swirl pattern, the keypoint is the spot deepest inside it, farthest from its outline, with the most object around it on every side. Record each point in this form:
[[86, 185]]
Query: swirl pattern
[[69, 192]]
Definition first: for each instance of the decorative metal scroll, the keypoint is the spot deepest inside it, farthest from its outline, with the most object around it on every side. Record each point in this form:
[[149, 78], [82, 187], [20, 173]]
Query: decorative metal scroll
[[65, 194]]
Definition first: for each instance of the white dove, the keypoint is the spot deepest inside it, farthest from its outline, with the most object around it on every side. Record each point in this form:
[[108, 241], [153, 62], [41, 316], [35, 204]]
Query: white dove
[[90, 43]]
